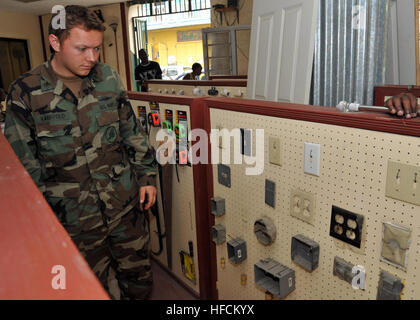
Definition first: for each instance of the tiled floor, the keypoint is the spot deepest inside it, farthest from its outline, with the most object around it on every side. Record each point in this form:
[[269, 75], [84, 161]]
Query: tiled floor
[[165, 287]]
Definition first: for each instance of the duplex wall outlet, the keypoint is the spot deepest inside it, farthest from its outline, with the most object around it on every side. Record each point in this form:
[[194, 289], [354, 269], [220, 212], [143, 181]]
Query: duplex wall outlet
[[389, 287], [312, 158], [275, 151], [403, 182], [302, 205], [346, 226], [395, 244], [274, 277]]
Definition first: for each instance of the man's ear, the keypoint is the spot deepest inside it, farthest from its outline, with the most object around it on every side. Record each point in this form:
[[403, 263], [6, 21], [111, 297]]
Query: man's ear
[[54, 42]]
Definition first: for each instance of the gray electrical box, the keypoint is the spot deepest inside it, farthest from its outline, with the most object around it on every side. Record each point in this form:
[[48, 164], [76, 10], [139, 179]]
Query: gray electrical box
[[218, 233], [223, 175], [270, 193], [343, 269], [274, 277], [389, 287], [236, 249], [305, 252], [265, 230], [218, 207]]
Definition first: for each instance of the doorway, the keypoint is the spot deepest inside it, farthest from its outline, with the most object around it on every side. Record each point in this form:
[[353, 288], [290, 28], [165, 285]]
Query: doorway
[[14, 60]]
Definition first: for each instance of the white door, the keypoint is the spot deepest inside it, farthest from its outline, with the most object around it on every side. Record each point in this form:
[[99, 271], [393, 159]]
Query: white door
[[281, 51], [401, 55]]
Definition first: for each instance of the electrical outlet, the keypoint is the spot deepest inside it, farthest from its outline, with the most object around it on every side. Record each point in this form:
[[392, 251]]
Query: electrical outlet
[[346, 226], [312, 158], [302, 205], [275, 148], [402, 182]]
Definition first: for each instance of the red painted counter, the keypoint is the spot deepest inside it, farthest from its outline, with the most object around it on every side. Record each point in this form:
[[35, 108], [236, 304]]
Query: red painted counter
[[32, 242]]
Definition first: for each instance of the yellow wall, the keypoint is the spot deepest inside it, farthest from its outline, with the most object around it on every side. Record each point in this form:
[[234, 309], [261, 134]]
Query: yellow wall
[[164, 43], [23, 26]]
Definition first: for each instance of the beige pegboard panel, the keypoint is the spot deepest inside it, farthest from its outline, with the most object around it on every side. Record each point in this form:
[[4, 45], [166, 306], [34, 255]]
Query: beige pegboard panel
[[183, 206], [234, 92], [352, 176]]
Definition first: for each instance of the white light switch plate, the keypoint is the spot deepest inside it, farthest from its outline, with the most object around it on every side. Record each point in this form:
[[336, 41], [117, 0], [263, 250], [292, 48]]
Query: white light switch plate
[[312, 158]]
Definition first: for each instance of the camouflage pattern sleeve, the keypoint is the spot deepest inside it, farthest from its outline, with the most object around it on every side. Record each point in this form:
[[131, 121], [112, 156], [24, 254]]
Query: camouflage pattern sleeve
[[20, 132], [140, 154]]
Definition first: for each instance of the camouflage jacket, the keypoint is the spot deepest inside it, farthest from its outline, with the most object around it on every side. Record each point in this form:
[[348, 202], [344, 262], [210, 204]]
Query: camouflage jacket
[[87, 155]]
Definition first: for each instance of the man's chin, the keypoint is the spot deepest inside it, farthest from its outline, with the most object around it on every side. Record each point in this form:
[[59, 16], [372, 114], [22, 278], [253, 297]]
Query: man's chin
[[83, 72]]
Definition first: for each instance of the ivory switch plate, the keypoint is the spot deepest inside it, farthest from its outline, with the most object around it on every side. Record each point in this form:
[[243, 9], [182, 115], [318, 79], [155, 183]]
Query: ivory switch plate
[[274, 148], [312, 158], [403, 182]]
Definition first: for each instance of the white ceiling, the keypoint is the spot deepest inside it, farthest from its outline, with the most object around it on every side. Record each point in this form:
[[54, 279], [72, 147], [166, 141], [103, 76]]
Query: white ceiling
[[44, 6]]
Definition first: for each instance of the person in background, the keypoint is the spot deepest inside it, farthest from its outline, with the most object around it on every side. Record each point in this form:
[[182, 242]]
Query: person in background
[[146, 70], [195, 74], [403, 105], [71, 125]]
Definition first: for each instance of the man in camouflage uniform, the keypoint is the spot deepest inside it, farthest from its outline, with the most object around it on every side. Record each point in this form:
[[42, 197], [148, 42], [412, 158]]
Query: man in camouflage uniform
[[73, 129]]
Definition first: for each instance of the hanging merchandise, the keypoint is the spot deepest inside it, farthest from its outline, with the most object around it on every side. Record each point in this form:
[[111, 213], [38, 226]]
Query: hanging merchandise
[[154, 117], [143, 117], [187, 264], [168, 123], [181, 134]]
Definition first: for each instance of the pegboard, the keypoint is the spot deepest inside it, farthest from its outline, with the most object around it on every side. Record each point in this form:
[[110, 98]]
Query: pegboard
[[183, 206], [352, 176]]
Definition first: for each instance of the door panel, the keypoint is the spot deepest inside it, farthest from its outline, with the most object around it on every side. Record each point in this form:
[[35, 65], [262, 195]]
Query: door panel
[[282, 46]]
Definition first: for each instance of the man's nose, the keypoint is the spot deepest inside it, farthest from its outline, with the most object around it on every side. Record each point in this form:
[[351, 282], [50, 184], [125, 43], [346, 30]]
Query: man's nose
[[91, 56]]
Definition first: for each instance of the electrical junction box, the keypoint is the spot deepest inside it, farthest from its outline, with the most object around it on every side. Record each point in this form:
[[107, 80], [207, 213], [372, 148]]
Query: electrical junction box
[[236, 250], [343, 269], [218, 207], [265, 230], [389, 287], [274, 277], [218, 233], [305, 252]]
